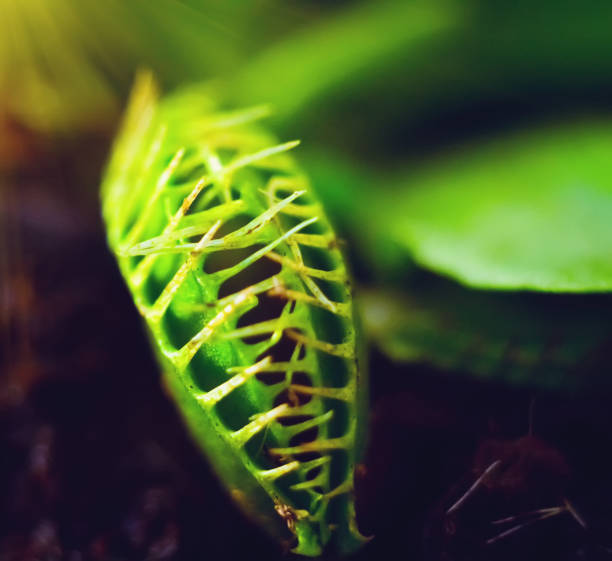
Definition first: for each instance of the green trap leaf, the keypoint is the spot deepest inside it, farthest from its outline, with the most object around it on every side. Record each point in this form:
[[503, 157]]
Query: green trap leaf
[[236, 271]]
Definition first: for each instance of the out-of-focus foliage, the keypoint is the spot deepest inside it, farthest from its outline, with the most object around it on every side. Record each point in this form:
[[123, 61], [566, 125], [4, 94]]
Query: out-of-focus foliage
[[346, 73], [342, 52], [65, 65], [366, 74], [533, 211], [539, 340]]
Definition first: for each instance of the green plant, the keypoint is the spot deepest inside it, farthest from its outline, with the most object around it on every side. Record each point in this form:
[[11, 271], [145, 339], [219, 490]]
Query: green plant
[[234, 267]]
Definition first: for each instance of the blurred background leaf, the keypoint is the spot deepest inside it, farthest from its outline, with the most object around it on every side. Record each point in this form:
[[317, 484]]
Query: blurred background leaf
[[387, 80], [528, 212], [537, 340], [342, 53], [383, 78]]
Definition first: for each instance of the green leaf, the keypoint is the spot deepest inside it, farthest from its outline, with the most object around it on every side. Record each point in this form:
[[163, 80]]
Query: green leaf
[[530, 212], [365, 74], [338, 52], [248, 302], [540, 340]]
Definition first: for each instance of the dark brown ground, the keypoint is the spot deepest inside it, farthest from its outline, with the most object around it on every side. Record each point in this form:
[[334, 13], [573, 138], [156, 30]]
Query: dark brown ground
[[95, 464]]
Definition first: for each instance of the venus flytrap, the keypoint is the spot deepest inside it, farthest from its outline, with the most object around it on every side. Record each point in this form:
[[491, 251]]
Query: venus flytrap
[[236, 270]]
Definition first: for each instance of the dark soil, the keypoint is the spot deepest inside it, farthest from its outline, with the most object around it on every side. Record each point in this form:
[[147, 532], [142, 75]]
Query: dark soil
[[95, 464]]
